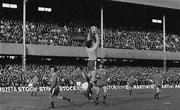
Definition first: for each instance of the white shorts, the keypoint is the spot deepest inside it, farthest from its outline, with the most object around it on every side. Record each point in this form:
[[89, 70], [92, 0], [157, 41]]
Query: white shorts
[[85, 86], [30, 85], [78, 83]]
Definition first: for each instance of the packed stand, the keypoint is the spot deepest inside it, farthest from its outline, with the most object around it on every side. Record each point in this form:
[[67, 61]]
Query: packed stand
[[140, 40], [38, 33], [74, 34], [13, 75], [144, 75]]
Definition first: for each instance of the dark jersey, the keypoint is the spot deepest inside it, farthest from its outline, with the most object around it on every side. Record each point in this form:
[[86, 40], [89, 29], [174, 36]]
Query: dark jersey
[[79, 77], [54, 80], [54, 84], [131, 80], [158, 80], [175, 78], [102, 77], [35, 80]]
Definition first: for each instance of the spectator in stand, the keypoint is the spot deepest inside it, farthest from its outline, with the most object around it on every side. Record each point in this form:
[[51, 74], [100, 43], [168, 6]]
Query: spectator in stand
[[73, 34], [12, 74]]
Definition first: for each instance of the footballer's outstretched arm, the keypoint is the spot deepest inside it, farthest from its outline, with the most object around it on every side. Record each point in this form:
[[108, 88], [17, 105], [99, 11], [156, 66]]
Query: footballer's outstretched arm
[[88, 36], [96, 44], [97, 40]]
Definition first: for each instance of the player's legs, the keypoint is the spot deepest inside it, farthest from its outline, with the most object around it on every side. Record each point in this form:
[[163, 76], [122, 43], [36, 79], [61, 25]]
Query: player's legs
[[89, 92], [97, 95], [55, 92], [78, 87], [157, 92], [130, 89], [36, 88], [91, 83], [31, 85], [90, 87], [91, 68], [104, 94], [51, 94], [174, 84], [32, 93]]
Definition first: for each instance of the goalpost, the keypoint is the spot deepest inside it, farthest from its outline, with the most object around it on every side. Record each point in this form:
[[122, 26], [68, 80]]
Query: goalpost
[[164, 44], [24, 36]]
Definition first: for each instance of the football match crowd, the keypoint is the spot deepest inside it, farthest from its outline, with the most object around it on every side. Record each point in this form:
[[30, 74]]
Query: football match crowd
[[13, 74], [74, 34]]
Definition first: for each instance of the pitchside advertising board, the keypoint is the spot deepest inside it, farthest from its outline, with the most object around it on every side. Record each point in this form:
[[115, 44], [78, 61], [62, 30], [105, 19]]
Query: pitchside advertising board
[[73, 88]]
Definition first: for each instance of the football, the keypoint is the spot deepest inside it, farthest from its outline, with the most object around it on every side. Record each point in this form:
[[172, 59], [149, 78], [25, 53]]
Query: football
[[93, 29]]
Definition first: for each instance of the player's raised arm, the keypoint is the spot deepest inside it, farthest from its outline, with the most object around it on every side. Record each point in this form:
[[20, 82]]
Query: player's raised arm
[[89, 33], [97, 41], [88, 36], [95, 44]]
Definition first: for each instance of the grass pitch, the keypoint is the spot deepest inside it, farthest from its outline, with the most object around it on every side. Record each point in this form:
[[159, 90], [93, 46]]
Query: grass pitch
[[116, 100]]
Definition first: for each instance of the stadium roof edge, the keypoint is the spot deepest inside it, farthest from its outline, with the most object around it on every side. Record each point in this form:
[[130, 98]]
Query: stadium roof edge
[[173, 4]]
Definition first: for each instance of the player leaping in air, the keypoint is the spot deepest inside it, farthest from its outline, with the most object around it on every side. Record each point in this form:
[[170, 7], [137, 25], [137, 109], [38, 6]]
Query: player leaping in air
[[91, 47], [54, 89]]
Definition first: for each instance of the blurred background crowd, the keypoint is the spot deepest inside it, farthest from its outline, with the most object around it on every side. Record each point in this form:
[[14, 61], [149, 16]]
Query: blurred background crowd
[[74, 34], [12, 74]]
